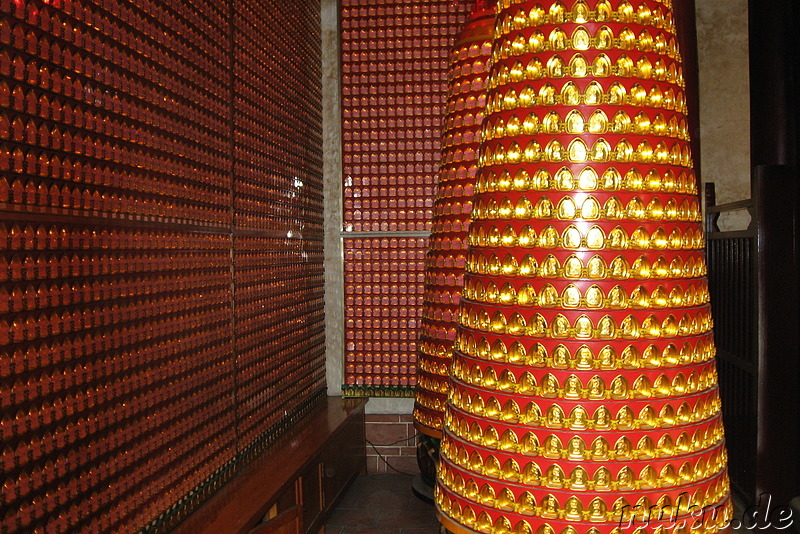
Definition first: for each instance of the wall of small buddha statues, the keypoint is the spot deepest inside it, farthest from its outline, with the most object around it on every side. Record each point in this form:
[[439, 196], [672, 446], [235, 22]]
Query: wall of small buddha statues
[[161, 278]]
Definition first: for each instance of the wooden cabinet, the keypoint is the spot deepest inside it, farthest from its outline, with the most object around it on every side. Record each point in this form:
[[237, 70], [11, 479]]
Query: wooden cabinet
[[292, 487]]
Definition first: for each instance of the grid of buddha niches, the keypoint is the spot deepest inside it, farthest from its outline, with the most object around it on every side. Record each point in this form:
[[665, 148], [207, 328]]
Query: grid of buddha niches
[[394, 84], [122, 346], [278, 210]]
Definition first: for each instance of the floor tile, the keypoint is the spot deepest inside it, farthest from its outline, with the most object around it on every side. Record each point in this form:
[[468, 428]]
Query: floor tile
[[382, 504], [402, 518], [349, 517]]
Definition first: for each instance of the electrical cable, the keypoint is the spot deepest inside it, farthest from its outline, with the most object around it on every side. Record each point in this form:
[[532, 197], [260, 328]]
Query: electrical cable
[[384, 460], [415, 436]]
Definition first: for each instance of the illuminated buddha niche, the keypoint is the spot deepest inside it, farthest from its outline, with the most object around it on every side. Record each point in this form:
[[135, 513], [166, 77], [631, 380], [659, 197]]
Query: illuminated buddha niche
[[583, 377]]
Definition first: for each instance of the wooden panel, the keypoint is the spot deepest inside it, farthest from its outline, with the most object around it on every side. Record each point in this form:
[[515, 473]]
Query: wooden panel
[[778, 465], [241, 504], [342, 460], [311, 484], [289, 522]]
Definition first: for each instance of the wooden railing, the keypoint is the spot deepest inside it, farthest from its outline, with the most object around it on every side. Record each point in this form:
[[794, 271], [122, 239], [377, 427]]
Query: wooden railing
[[753, 286], [733, 284]]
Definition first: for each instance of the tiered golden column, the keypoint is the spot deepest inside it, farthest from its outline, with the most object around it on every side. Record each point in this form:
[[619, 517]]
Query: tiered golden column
[[446, 258], [583, 397]]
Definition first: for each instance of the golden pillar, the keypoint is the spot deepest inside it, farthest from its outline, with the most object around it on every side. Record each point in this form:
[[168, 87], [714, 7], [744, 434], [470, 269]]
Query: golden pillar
[[446, 258], [583, 397]]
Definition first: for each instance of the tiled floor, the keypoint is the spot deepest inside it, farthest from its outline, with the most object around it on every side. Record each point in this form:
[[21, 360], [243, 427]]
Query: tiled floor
[[382, 504]]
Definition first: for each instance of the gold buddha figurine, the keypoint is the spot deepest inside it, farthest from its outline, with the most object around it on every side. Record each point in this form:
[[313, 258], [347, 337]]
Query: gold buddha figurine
[[619, 388], [620, 269], [561, 357], [599, 449], [487, 495], [527, 384], [538, 357], [596, 388], [625, 419], [509, 442], [623, 450], [584, 328], [511, 411], [646, 448], [511, 471], [468, 516], [579, 418], [596, 268], [526, 504], [505, 501], [549, 387], [573, 509], [606, 329], [471, 490], [597, 511], [573, 268], [648, 479], [607, 357], [602, 418], [532, 475], [532, 414], [576, 449], [548, 296], [555, 417], [625, 479], [549, 238], [475, 462], [491, 467], [602, 480], [555, 477], [560, 328], [583, 358], [594, 297], [549, 509], [552, 447], [666, 446], [502, 525], [572, 387], [579, 479], [537, 327], [530, 445], [490, 437], [484, 522], [648, 418], [549, 267]]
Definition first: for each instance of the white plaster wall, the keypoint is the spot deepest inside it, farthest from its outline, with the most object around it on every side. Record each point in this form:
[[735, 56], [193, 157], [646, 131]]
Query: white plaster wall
[[722, 43], [332, 177], [390, 406]]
